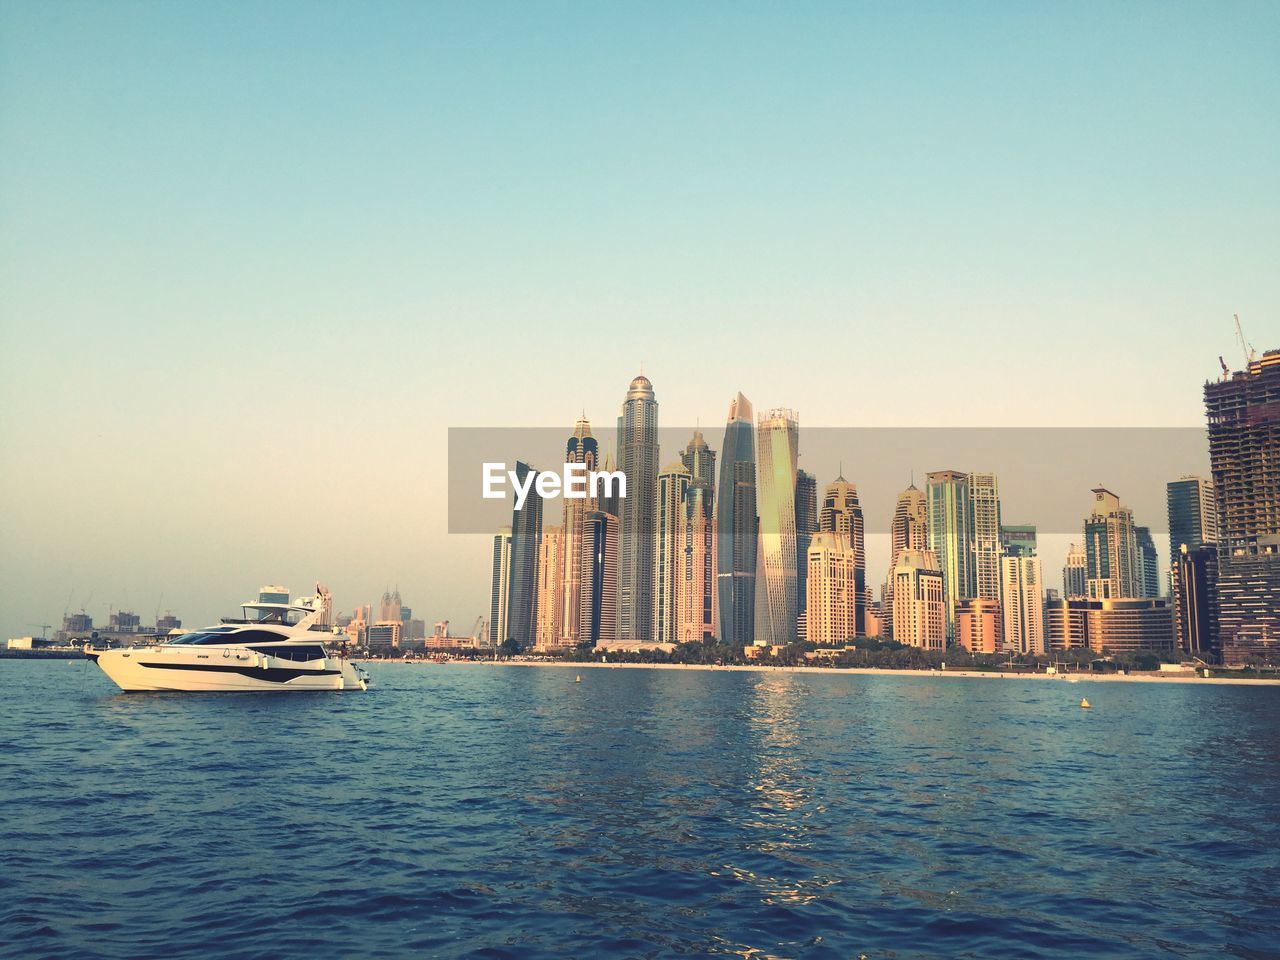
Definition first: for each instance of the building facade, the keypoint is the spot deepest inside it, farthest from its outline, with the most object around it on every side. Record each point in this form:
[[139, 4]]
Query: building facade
[[777, 603], [638, 461], [978, 627], [599, 609], [582, 448], [919, 603], [549, 631], [1022, 587], [832, 595], [669, 552], [499, 586], [950, 514], [737, 527], [526, 540], [1111, 549]]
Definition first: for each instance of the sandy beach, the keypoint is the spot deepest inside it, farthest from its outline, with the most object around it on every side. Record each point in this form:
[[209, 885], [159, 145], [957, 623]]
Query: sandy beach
[[1158, 678]]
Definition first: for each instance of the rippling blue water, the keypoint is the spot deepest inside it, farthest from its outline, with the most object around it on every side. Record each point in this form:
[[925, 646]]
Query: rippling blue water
[[508, 812]]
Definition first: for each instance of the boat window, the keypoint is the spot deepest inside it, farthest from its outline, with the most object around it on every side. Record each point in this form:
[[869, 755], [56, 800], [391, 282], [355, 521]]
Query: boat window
[[258, 636], [192, 638], [293, 652]]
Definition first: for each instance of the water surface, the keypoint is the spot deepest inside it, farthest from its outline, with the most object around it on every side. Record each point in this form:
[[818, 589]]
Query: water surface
[[509, 812]]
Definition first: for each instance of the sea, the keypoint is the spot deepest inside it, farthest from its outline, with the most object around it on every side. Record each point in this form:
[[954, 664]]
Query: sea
[[495, 811]]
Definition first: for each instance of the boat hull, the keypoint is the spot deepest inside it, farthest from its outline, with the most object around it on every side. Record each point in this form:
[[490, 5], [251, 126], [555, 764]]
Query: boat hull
[[154, 669]]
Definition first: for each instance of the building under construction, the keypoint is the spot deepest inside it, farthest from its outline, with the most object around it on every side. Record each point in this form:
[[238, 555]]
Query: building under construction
[[1243, 412]]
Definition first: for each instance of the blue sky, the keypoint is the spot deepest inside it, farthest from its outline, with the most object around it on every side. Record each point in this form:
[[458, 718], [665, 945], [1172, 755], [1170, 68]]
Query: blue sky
[[255, 259]]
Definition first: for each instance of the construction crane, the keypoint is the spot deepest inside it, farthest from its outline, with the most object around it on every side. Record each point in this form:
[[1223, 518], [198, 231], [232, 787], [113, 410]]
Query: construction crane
[[1245, 346], [44, 628], [480, 632]]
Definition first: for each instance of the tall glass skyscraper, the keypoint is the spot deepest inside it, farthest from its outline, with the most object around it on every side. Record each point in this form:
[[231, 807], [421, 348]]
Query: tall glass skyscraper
[[696, 598], [1148, 562], [1193, 515], [950, 512], [581, 448], [1193, 564], [638, 461], [499, 585], [806, 527], [737, 527], [777, 604], [526, 541], [599, 578]]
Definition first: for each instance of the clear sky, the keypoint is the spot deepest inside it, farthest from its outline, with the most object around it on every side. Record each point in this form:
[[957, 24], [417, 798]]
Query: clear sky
[[256, 258]]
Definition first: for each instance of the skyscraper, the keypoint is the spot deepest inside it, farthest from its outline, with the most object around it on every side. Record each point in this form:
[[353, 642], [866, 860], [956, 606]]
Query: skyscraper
[[1193, 564], [1193, 514], [1075, 573], [1111, 549], [737, 527], [1148, 563], [950, 512], [806, 527], [832, 597], [841, 514], [984, 494], [500, 584], [549, 631], [700, 460], [919, 607], [909, 530], [669, 552], [526, 539], [697, 591], [1243, 412], [581, 448], [638, 461], [599, 579], [777, 604], [1023, 605]]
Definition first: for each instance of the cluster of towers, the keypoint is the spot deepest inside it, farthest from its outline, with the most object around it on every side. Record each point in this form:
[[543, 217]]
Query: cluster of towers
[[740, 548]]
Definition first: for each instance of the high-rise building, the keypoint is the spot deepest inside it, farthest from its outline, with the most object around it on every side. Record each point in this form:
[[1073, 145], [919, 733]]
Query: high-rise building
[[1243, 413], [1195, 599], [777, 604], [390, 607], [700, 460], [909, 530], [832, 599], [669, 555], [549, 634], [1193, 514], [1148, 563], [950, 513], [978, 625], [1023, 605], [737, 527], [841, 514], [697, 590], [1111, 549], [501, 585], [919, 604], [581, 448], [1075, 573], [984, 495], [638, 461], [526, 539], [806, 499], [599, 579], [1018, 539]]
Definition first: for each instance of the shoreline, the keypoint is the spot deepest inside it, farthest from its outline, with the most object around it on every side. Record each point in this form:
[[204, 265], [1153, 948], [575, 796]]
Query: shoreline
[[865, 671]]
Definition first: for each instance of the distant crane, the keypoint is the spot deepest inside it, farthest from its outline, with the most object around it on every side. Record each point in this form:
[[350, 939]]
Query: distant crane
[[1245, 346], [44, 628]]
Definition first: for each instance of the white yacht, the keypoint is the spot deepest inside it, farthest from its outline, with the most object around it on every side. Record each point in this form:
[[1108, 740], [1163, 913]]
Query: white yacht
[[274, 646]]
